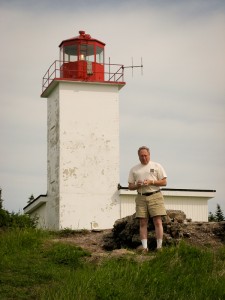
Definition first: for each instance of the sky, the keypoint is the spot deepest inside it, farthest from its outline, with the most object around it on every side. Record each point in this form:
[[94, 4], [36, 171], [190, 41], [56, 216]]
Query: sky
[[176, 106]]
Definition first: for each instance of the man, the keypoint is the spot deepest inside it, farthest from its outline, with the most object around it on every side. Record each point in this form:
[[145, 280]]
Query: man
[[146, 178]]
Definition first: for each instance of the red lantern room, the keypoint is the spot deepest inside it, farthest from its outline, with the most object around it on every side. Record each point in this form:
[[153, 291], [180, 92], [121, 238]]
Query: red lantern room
[[82, 58]]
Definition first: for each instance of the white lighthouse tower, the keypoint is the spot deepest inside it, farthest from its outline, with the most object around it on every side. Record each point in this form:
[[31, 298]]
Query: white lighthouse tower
[[83, 138]]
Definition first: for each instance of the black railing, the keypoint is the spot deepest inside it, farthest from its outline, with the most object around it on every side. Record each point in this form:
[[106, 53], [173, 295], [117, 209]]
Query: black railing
[[120, 187]]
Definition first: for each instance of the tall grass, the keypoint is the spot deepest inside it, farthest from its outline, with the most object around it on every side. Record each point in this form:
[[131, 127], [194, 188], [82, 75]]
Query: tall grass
[[33, 266], [30, 262], [178, 273]]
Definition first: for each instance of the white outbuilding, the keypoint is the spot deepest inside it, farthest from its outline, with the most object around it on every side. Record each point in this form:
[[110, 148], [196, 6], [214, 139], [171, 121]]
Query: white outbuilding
[[193, 202]]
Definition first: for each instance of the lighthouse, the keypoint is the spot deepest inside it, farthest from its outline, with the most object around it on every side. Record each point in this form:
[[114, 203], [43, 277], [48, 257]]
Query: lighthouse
[[82, 93]]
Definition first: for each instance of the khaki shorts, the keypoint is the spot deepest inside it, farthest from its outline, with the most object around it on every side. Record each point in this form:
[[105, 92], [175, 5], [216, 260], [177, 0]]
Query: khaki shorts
[[152, 206]]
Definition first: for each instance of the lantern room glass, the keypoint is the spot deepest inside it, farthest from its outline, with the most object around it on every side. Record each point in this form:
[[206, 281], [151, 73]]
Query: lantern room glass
[[99, 55], [69, 53], [87, 52]]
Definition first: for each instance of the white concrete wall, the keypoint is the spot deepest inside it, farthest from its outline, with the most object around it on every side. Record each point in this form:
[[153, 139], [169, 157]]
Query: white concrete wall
[[84, 119], [53, 153], [40, 215], [37, 209]]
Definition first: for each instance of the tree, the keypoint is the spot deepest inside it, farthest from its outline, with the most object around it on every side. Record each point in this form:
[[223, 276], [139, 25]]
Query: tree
[[211, 217], [219, 214], [15, 220]]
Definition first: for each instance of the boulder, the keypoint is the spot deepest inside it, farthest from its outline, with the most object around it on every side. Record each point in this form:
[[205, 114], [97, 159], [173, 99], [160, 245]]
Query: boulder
[[125, 232]]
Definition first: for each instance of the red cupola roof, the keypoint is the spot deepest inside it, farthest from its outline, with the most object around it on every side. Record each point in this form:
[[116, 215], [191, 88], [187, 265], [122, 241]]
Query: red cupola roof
[[82, 37]]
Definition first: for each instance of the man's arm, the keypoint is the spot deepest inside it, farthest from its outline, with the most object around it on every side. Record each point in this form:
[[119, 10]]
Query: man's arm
[[135, 186], [160, 182], [132, 186]]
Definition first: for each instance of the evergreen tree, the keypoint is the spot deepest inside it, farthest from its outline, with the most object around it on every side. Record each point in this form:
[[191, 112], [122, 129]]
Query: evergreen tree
[[219, 214], [211, 217]]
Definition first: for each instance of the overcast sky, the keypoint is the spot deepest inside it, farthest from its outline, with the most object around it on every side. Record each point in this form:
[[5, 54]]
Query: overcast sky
[[177, 107]]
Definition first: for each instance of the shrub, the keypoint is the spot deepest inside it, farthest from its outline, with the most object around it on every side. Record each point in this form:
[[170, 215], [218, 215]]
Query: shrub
[[16, 220], [4, 218]]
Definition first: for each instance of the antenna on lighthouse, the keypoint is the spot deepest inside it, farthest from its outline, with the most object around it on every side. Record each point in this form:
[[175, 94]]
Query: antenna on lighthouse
[[133, 66]]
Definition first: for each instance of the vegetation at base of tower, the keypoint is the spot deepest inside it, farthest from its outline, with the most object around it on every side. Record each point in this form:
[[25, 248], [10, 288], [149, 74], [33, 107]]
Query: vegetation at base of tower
[[16, 220], [36, 265], [218, 216]]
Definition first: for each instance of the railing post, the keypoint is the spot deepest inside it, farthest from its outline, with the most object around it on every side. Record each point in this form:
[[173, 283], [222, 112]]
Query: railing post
[[109, 69]]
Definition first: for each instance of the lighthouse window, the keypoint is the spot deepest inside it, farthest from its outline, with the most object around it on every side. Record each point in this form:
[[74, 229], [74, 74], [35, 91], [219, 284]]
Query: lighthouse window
[[99, 55], [70, 53]]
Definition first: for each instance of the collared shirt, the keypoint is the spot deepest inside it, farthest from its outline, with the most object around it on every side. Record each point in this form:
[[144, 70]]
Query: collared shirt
[[151, 171]]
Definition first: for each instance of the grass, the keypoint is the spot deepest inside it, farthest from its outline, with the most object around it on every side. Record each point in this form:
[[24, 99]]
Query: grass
[[34, 266]]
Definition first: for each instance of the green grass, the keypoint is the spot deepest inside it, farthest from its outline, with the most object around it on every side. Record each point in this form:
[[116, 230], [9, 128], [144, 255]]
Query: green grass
[[34, 266]]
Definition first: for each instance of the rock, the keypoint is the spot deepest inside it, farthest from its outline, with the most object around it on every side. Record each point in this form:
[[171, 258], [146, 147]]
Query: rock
[[125, 232], [108, 242], [176, 216]]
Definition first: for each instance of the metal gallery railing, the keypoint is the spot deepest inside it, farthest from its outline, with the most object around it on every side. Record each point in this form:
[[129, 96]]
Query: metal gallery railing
[[108, 73]]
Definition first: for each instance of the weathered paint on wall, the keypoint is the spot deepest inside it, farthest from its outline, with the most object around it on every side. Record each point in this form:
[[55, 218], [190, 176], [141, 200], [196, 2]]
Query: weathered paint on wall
[[53, 153]]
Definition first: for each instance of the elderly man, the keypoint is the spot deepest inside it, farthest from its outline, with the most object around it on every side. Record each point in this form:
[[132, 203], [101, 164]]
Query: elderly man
[[146, 178]]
